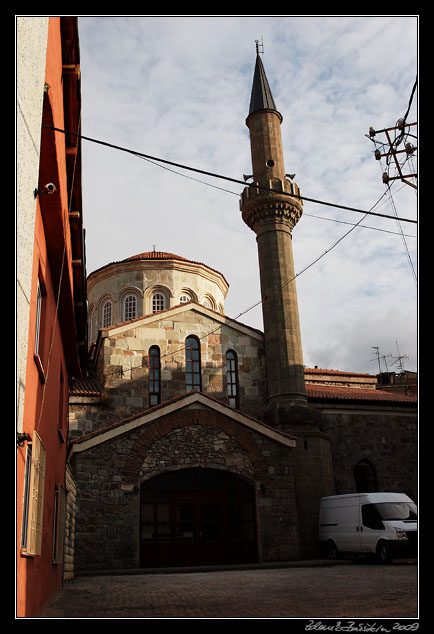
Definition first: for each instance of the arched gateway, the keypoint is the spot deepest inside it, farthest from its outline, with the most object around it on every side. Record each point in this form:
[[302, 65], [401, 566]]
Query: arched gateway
[[197, 516]]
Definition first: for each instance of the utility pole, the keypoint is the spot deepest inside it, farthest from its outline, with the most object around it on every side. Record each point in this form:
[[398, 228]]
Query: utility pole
[[393, 156], [389, 148]]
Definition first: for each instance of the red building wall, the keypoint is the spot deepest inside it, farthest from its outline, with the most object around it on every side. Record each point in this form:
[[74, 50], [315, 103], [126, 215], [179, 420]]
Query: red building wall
[[47, 374]]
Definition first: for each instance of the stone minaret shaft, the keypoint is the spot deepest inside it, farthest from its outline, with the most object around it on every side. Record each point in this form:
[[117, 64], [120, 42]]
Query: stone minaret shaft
[[272, 215]]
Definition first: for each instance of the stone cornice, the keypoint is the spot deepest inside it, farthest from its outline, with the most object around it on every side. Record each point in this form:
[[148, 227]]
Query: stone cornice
[[125, 266]]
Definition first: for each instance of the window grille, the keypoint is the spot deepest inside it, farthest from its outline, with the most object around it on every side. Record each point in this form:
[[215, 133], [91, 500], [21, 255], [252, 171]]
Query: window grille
[[107, 314], [130, 307], [154, 378], [158, 302], [232, 378], [192, 364]]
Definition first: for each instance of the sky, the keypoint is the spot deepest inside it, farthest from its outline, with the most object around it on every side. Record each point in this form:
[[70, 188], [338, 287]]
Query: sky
[[178, 88]]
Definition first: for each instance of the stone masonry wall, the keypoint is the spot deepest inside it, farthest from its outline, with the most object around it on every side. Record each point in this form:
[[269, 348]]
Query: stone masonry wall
[[107, 524], [387, 438], [71, 494], [123, 368]]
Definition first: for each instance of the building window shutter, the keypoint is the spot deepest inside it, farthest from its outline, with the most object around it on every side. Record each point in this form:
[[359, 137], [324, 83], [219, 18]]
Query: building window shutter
[[36, 497], [38, 318]]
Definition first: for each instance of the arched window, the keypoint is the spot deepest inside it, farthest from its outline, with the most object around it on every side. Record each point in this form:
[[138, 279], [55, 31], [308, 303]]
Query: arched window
[[365, 477], [107, 314], [154, 379], [206, 302], [192, 364], [130, 307], [158, 302], [232, 378], [184, 298]]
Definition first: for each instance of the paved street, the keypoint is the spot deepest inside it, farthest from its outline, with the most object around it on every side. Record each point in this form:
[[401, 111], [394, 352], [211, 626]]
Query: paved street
[[331, 591]]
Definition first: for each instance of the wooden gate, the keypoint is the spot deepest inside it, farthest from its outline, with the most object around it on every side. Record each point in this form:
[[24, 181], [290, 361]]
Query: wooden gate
[[196, 517]]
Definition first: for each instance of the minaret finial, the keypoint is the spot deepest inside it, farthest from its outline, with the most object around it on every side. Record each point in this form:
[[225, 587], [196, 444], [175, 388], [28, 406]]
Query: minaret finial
[[259, 45]]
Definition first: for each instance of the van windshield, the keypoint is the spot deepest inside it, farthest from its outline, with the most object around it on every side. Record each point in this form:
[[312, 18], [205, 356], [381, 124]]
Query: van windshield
[[397, 510]]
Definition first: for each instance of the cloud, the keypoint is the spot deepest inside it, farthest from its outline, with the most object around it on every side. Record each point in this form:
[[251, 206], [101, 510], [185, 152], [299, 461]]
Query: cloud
[[179, 87]]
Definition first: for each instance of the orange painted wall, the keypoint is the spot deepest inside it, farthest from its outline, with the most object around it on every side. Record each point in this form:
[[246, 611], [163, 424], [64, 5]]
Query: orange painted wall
[[37, 577]]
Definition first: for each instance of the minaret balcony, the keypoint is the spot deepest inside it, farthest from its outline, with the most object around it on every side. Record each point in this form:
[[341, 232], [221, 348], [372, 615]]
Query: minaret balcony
[[269, 187], [277, 199]]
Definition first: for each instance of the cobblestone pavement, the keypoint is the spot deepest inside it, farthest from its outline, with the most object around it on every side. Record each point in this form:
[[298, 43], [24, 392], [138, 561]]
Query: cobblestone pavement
[[342, 590]]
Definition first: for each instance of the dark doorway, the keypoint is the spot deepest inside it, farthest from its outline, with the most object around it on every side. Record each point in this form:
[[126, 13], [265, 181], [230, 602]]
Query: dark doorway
[[197, 516], [365, 477]]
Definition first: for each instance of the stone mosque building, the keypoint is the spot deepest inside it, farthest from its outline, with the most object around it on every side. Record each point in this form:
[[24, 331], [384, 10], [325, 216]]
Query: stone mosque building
[[196, 439]]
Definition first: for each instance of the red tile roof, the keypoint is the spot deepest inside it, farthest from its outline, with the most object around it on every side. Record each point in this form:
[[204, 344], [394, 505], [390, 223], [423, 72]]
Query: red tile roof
[[84, 386], [332, 392], [164, 404], [158, 255], [87, 386], [335, 372]]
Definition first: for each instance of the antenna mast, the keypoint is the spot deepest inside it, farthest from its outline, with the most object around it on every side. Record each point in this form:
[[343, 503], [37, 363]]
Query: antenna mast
[[377, 354], [399, 359]]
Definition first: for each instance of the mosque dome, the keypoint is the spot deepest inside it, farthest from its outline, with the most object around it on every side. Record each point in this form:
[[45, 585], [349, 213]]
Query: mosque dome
[[147, 283]]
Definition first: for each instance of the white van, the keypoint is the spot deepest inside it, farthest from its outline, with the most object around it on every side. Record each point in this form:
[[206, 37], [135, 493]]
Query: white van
[[380, 524]]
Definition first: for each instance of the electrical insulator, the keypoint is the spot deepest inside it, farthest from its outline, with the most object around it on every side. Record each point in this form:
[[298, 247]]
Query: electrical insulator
[[371, 131], [400, 124], [377, 154], [409, 148], [385, 177]]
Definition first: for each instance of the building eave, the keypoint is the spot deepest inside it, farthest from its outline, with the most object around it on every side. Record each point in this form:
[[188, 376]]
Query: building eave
[[187, 400]]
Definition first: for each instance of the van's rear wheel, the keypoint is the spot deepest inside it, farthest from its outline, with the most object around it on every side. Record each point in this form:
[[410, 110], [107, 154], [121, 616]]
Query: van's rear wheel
[[383, 553], [331, 551]]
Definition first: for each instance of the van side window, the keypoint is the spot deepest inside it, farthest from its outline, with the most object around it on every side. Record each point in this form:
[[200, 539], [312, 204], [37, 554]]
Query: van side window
[[371, 518]]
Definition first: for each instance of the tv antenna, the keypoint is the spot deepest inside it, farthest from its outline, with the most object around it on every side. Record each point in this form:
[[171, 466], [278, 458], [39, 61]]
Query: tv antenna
[[378, 357], [399, 359]]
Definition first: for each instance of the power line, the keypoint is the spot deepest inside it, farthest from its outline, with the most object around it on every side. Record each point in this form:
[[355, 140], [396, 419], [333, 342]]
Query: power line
[[403, 237], [273, 292], [228, 191], [227, 178]]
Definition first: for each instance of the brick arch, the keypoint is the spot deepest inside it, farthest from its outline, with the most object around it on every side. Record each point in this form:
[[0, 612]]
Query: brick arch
[[187, 418]]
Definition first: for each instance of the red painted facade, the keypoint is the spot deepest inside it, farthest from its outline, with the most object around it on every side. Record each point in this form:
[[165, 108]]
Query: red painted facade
[[57, 330]]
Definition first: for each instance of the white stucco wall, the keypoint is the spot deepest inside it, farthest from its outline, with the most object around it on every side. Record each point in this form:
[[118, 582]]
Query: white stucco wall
[[31, 50]]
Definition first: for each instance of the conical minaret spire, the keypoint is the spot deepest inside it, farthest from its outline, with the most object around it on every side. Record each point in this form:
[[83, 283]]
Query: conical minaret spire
[[261, 98]]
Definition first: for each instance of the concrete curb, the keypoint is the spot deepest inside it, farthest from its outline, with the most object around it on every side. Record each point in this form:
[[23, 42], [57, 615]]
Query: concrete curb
[[310, 563]]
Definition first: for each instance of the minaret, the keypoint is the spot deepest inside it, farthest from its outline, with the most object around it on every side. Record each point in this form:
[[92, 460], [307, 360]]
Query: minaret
[[271, 208]]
